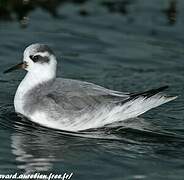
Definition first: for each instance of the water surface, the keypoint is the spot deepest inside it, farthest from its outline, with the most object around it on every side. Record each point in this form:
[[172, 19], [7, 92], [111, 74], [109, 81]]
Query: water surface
[[123, 45]]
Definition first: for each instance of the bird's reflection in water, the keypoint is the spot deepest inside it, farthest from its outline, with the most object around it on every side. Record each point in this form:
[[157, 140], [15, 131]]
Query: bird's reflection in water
[[32, 152], [37, 148]]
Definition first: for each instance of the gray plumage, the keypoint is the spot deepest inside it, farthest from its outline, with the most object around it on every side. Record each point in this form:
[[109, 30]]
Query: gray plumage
[[71, 98], [73, 104], [41, 48]]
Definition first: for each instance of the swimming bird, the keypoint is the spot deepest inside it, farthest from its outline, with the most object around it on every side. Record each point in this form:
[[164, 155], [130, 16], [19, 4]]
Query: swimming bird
[[73, 105]]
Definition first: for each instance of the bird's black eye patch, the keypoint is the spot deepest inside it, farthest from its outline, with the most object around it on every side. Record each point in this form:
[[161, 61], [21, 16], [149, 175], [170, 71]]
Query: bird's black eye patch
[[35, 58], [38, 58]]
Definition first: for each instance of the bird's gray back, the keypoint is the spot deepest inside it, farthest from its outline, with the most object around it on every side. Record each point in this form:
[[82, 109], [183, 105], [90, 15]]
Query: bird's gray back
[[81, 94]]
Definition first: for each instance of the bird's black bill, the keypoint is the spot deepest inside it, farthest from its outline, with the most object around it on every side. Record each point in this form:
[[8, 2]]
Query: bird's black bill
[[21, 65]]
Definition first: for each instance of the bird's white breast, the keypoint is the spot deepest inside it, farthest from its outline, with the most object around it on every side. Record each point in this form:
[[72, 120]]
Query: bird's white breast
[[31, 80], [19, 98]]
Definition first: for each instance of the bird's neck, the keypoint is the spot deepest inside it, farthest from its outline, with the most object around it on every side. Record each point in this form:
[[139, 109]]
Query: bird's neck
[[35, 78], [30, 81]]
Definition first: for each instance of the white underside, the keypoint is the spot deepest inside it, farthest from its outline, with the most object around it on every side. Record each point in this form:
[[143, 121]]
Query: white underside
[[103, 116]]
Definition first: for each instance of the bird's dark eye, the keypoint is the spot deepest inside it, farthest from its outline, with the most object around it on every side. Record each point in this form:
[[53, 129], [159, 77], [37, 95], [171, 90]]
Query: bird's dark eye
[[34, 58]]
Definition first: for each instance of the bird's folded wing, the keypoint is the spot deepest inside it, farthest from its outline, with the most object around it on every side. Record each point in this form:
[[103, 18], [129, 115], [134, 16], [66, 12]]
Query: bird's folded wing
[[77, 95]]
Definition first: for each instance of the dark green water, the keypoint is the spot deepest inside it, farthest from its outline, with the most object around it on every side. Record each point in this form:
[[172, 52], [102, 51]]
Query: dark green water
[[123, 45]]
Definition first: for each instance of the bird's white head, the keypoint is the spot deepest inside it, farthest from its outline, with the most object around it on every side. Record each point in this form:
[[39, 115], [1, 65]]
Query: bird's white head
[[40, 62]]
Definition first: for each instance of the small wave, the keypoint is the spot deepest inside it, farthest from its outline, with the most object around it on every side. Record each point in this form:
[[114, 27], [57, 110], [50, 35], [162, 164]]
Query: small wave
[[37, 148], [131, 131]]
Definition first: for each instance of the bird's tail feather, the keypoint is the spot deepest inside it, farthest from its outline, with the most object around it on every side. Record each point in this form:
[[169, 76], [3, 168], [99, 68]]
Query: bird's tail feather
[[139, 103], [148, 93]]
